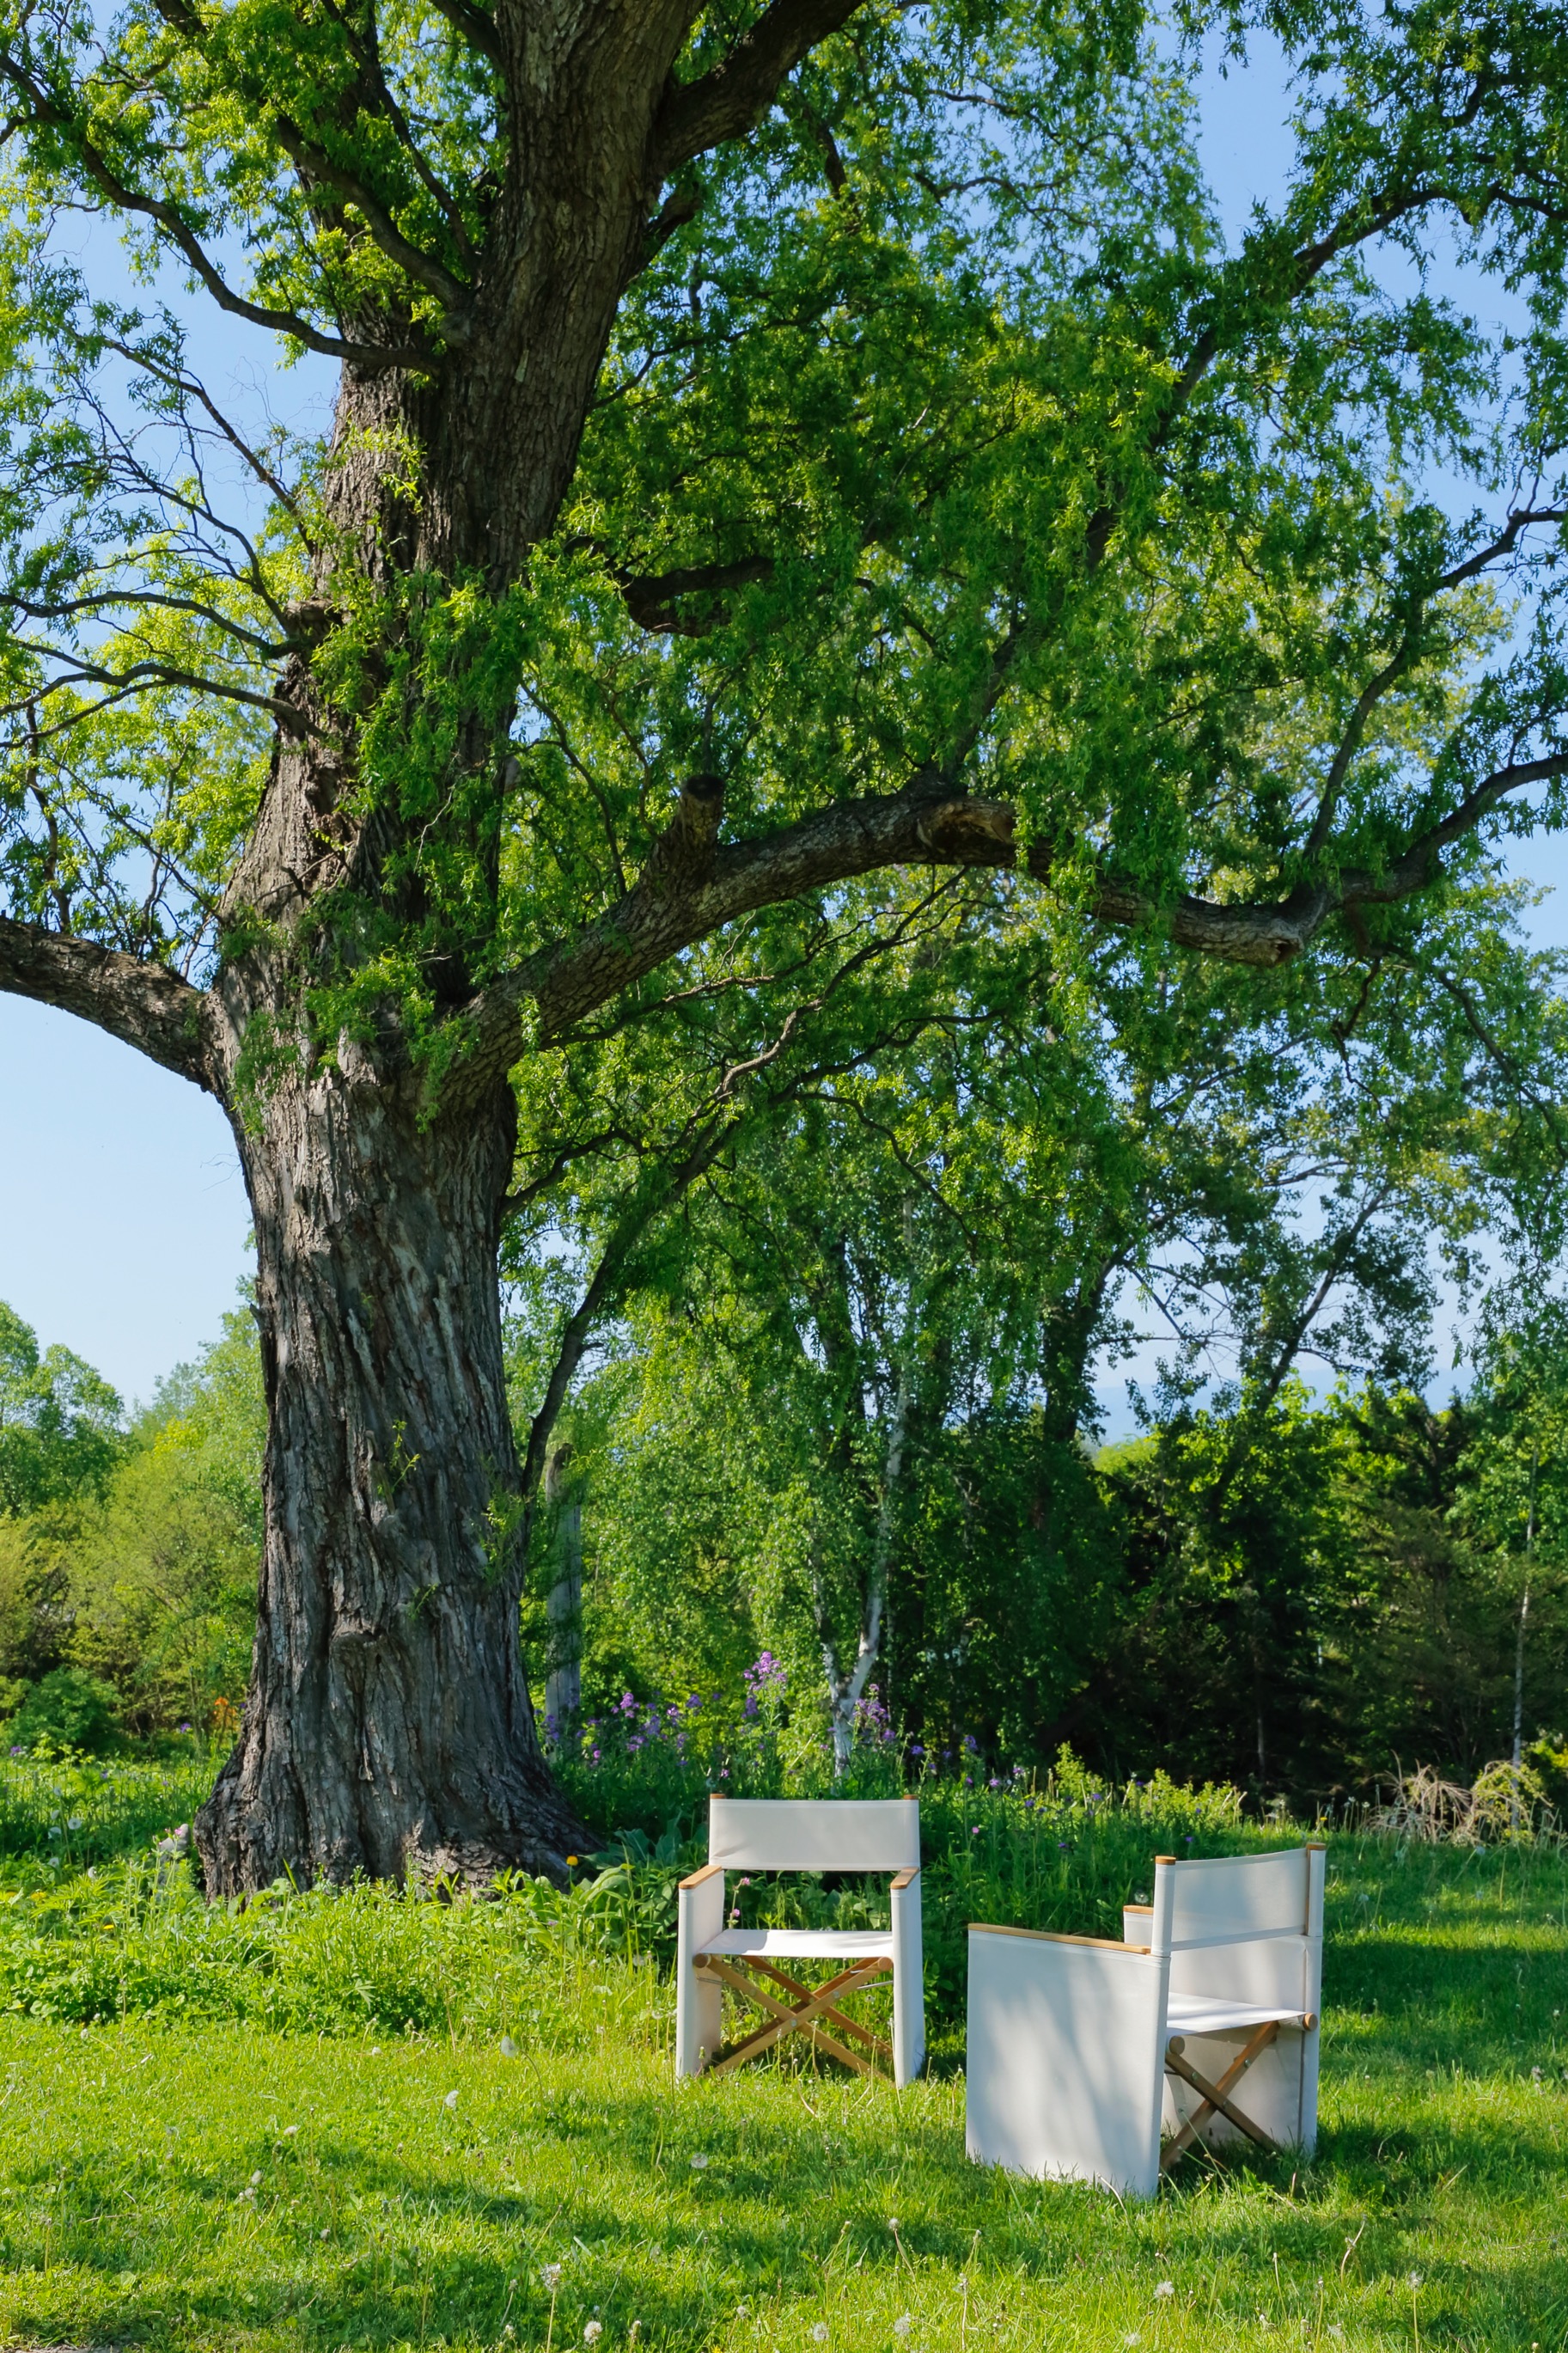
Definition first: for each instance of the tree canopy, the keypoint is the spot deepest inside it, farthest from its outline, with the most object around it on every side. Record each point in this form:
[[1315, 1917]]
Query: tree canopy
[[813, 494]]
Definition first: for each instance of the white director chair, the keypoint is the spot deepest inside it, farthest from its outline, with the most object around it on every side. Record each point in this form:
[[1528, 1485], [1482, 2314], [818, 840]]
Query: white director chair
[[850, 1834], [1081, 2050]]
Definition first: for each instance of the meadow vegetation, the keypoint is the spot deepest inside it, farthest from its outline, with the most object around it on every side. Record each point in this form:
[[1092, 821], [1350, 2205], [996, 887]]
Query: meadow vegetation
[[371, 2118]]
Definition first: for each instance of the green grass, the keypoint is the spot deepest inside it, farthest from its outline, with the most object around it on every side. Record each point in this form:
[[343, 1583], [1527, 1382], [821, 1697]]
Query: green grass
[[220, 2182], [67, 1812]]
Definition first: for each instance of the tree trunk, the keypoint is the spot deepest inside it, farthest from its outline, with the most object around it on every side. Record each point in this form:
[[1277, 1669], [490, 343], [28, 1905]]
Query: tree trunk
[[564, 1608], [388, 1727]]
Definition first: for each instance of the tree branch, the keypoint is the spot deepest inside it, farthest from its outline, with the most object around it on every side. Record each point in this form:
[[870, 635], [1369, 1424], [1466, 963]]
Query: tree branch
[[732, 98], [308, 158], [475, 27], [142, 1004], [692, 886], [650, 597], [46, 111]]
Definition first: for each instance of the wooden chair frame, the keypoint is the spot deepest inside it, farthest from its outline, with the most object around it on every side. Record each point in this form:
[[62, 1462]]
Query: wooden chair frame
[[801, 2016]]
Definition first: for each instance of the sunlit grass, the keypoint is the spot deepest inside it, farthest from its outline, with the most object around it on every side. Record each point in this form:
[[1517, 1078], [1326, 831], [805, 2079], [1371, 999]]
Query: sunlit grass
[[222, 2184]]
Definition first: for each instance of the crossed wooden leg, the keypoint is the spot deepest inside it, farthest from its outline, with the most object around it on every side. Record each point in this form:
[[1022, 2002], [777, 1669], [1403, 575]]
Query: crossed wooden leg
[[1216, 2098], [803, 2014]]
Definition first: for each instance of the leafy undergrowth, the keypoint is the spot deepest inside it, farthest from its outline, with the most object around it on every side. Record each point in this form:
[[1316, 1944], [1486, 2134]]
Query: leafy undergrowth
[[222, 2184], [133, 1938]]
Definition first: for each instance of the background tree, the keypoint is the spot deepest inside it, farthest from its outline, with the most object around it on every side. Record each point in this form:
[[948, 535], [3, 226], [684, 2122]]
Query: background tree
[[839, 424], [849, 1409]]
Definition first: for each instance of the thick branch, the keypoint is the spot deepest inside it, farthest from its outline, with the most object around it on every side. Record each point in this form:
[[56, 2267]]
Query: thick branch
[[733, 98], [143, 1005], [307, 157], [475, 27], [650, 596], [681, 897]]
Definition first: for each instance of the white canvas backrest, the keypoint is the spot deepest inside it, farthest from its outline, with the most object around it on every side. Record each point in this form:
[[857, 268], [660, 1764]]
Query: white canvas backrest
[[815, 1833], [1250, 1928], [1222, 1900]]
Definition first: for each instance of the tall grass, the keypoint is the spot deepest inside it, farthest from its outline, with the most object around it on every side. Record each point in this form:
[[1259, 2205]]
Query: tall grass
[[71, 1811], [131, 1937]]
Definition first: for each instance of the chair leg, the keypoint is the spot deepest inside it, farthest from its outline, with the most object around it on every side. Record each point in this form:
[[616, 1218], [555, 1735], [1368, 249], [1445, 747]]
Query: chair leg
[[1216, 2098], [874, 2043], [792, 2017]]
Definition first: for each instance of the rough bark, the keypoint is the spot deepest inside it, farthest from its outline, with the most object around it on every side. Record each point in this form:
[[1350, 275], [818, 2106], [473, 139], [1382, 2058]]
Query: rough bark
[[388, 1728]]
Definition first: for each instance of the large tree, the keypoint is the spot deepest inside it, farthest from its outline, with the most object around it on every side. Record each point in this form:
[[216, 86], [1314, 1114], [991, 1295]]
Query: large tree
[[777, 448]]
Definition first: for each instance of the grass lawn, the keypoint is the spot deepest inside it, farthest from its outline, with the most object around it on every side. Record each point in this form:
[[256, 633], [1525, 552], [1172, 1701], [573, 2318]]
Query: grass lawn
[[223, 2184]]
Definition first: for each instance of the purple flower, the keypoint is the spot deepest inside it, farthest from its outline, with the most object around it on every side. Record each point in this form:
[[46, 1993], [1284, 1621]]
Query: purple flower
[[916, 1750], [975, 1831]]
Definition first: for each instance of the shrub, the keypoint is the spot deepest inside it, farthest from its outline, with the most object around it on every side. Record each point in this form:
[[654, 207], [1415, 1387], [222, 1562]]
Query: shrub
[[68, 1709]]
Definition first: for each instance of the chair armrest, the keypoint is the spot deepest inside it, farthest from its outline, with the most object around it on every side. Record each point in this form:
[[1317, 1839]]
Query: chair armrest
[[1053, 1936], [905, 1879], [706, 1872]]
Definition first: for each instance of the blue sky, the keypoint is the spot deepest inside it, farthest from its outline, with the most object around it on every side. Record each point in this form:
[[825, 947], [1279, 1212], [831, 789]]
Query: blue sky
[[122, 1210]]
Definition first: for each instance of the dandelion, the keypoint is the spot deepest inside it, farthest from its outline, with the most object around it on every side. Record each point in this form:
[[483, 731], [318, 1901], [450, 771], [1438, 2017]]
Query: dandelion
[[509, 2049], [1415, 2278], [450, 2101], [743, 2312], [698, 2162], [326, 2234], [1131, 2337], [254, 2179], [819, 2334], [893, 2224], [1335, 2330], [1166, 2287], [592, 2331], [289, 2130], [902, 2325], [572, 1858], [551, 2275]]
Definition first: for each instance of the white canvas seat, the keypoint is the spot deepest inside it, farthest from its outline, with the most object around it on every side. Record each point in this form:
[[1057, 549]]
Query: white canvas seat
[[848, 1834], [828, 1942], [1202, 2024]]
